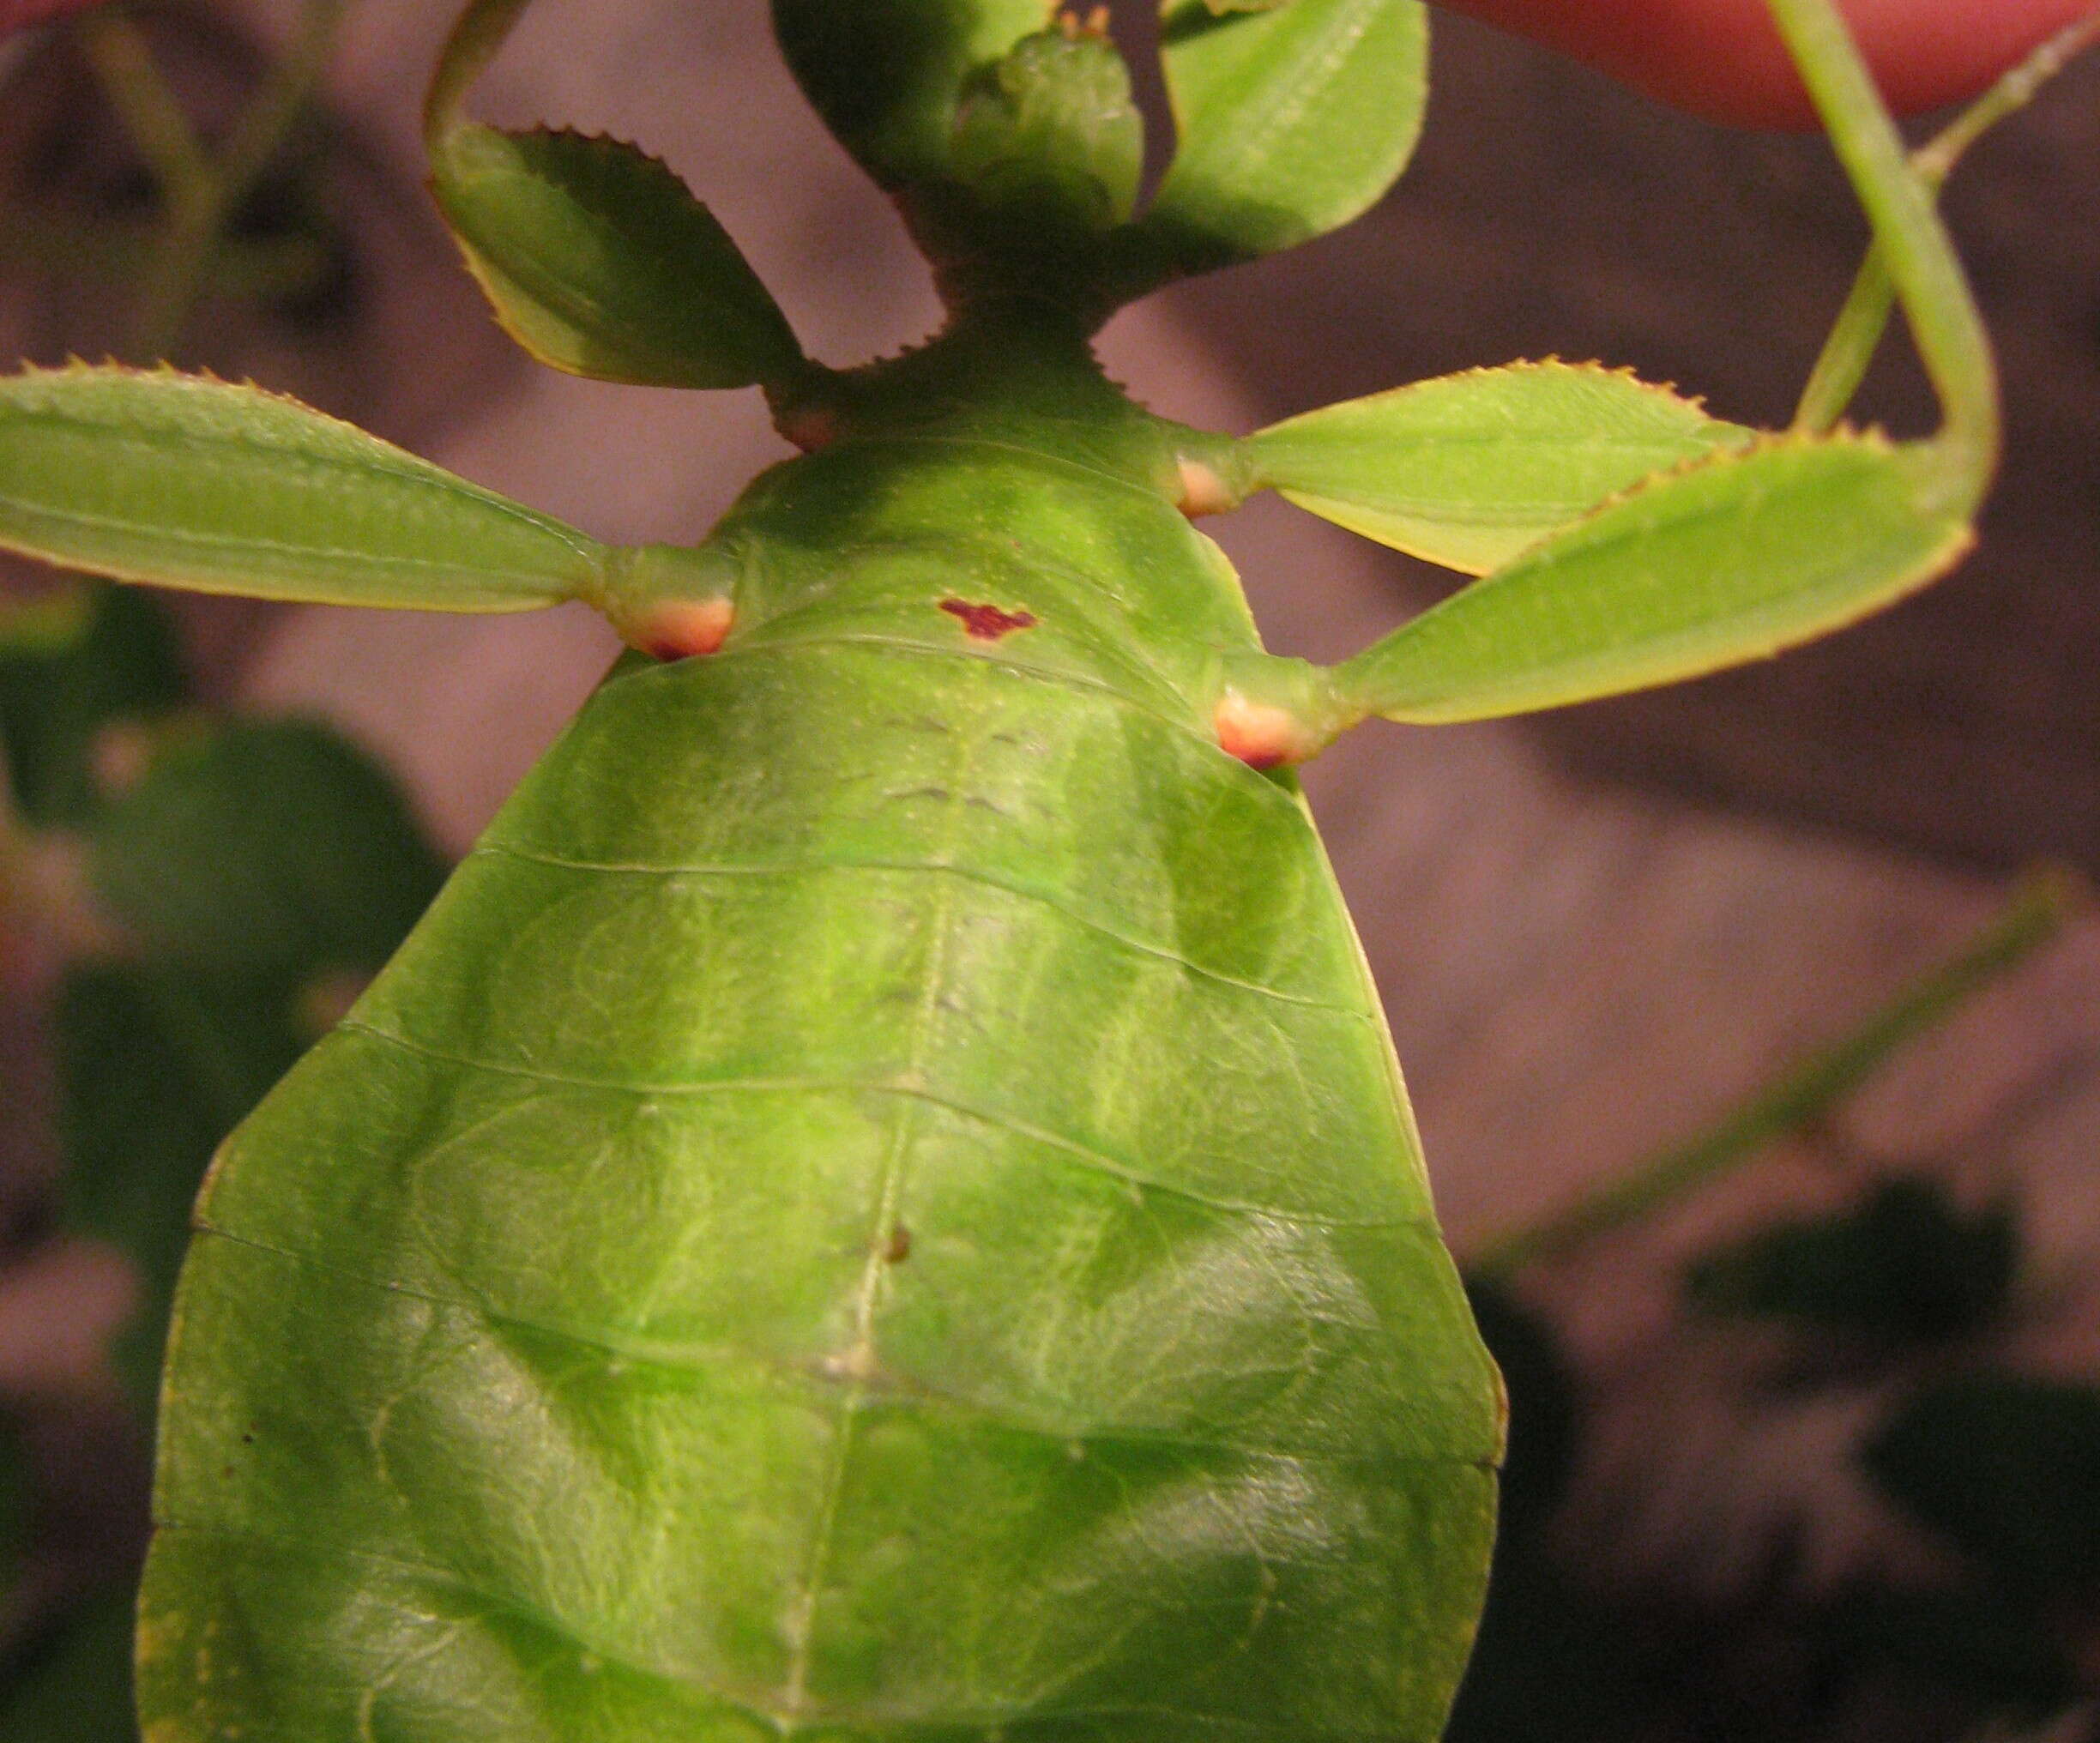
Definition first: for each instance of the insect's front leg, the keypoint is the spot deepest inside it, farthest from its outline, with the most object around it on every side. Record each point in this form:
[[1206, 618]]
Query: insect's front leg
[[1750, 551], [1627, 537]]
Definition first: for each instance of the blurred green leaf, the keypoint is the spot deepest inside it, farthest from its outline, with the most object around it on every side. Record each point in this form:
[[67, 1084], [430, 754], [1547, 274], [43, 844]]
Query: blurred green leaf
[[154, 1067], [260, 865], [70, 666], [267, 849], [76, 1687], [2006, 1468], [1907, 1265]]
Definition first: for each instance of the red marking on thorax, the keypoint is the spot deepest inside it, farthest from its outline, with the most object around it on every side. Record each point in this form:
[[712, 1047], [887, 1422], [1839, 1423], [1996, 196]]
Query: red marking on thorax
[[987, 623]]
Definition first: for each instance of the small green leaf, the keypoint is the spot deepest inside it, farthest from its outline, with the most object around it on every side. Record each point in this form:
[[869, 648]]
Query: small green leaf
[[1049, 134], [2006, 1468], [184, 481], [265, 848], [1292, 120], [599, 261], [1470, 470], [887, 74], [1906, 1266], [1735, 558], [73, 665]]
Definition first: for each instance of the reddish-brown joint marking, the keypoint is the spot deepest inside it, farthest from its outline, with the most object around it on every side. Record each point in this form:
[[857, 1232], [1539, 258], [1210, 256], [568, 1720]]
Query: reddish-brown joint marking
[[1260, 734], [811, 428], [1203, 491], [987, 623], [680, 629]]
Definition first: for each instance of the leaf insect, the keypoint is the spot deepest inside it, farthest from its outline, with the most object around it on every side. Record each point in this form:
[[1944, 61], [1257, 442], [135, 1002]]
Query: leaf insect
[[552, 1361]]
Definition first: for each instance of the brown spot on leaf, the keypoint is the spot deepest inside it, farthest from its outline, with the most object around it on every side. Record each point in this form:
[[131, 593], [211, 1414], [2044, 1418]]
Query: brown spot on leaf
[[987, 623], [897, 1248]]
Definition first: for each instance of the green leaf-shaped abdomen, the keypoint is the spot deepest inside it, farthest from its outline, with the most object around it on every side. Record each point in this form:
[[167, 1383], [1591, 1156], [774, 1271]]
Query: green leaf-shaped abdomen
[[877, 1205]]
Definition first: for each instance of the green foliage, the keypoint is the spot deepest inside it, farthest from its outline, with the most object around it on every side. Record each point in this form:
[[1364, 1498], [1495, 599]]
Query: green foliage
[[250, 864], [2004, 1467], [2008, 1470], [254, 869], [72, 667], [155, 1066], [600, 263], [261, 868], [267, 850], [1905, 1266]]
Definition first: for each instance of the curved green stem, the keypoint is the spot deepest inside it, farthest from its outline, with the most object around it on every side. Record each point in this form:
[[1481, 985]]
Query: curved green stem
[[1857, 332], [132, 84], [1910, 241], [475, 40]]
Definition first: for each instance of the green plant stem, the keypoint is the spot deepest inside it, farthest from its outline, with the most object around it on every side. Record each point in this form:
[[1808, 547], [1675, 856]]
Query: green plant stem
[[1804, 1094], [258, 267], [202, 190], [1936, 300], [132, 84], [1857, 333]]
